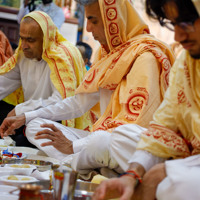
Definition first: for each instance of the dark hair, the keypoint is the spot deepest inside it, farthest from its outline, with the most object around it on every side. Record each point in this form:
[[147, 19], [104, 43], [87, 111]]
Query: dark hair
[[31, 5], [187, 10], [46, 1], [86, 2], [88, 50]]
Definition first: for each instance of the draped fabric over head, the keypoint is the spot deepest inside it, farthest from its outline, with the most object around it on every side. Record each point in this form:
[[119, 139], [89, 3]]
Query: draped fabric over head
[[5, 49], [175, 129], [64, 60], [127, 37]]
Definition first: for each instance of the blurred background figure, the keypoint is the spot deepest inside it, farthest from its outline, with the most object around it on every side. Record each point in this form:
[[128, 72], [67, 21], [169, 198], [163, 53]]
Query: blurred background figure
[[5, 48], [47, 6], [86, 52]]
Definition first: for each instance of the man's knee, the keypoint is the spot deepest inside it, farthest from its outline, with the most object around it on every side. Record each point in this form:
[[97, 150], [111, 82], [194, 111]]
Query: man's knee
[[34, 125]]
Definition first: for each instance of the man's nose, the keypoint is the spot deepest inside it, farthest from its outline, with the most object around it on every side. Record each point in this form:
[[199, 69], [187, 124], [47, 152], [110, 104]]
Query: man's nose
[[24, 44], [89, 27], [180, 34]]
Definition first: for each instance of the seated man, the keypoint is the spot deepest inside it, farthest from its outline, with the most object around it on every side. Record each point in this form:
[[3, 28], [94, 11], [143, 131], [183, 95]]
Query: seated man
[[47, 66], [86, 52], [174, 135], [128, 79], [48, 6]]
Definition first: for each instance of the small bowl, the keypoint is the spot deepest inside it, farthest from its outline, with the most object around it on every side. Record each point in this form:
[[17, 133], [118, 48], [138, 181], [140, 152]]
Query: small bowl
[[21, 169], [20, 180]]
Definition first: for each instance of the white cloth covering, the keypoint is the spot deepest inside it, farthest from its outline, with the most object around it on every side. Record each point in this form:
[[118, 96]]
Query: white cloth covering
[[32, 75], [114, 151], [96, 150], [72, 107], [56, 13], [71, 133], [108, 150], [182, 181]]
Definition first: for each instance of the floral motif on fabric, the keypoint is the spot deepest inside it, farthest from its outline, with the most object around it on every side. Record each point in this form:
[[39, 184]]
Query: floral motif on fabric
[[113, 28], [187, 74], [104, 124], [90, 77], [167, 137], [195, 143], [108, 124], [111, 14], [111, 87], [182, 98], [136, 102], [166, 66], [164, 61], [116, 41], [112, 23], [109, 2]]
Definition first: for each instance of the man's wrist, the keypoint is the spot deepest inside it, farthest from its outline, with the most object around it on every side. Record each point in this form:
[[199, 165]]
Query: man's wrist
[[137, 168]]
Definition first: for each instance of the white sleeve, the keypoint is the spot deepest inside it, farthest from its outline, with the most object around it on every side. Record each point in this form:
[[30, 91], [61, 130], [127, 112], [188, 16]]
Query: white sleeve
[[146, 159], [22, 12], [69, 108], [31, 104], [9, 82]]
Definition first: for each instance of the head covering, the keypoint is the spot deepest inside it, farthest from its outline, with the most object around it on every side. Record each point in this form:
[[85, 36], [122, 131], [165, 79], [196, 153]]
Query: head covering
[[127, 38], [197, 5], [63, 58], [121, 22]]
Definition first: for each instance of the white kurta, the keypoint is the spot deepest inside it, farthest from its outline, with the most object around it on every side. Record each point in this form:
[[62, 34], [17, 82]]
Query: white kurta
[[182, 181], [34, 76]]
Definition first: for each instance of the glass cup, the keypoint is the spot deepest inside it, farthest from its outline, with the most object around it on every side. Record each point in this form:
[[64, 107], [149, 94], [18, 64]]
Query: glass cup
[[64, 183]]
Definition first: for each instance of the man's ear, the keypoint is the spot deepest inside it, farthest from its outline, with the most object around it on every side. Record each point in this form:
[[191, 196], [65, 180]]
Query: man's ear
[[86, 60]]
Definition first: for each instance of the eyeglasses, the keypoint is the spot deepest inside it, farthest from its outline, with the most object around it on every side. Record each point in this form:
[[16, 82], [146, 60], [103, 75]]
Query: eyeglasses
[[188, 27]]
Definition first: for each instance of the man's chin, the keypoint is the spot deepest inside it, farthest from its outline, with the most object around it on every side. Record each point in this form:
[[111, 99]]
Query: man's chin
[[195, 56]]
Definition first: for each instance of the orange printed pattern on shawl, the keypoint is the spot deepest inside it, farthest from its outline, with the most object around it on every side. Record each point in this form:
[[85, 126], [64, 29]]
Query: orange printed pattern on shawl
[[64, 60], [127, 37], [174, 131], [164, 141]]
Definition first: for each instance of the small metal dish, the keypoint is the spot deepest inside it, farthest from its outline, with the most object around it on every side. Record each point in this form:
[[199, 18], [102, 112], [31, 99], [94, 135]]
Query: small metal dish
[[40, 164]]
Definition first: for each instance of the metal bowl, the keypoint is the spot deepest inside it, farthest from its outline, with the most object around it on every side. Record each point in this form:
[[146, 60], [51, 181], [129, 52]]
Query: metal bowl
[[40, 164]]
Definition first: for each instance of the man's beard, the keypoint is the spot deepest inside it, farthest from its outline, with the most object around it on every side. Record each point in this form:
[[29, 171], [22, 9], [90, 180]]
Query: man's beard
[[195, 56]]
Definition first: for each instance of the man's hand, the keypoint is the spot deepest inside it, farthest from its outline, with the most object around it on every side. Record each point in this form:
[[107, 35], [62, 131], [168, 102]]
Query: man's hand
[[151, 180], [10, 124], [122, 187], [56, 137], [11, 113]]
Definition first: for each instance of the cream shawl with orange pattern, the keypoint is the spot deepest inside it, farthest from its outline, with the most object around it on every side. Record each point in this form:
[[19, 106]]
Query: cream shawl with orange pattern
[[128, 38], [175, 131]]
